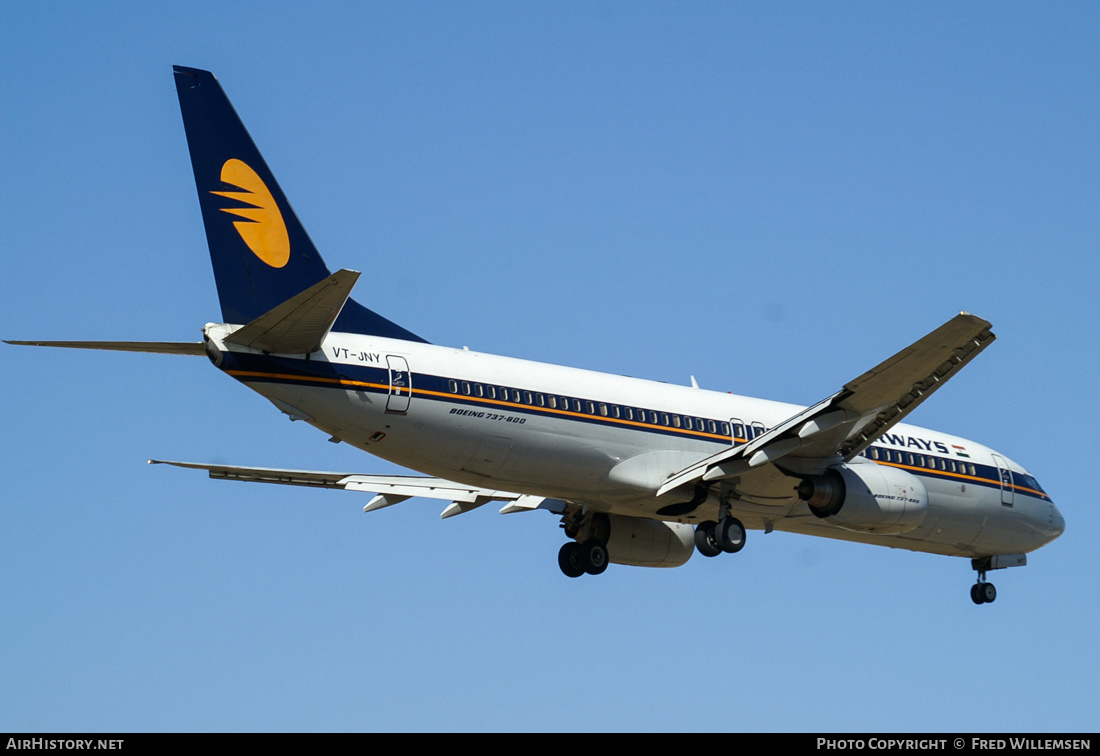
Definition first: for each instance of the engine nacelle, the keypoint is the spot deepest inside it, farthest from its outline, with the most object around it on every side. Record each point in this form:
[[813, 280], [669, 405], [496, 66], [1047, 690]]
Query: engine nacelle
[[867, 498], [649, 543]]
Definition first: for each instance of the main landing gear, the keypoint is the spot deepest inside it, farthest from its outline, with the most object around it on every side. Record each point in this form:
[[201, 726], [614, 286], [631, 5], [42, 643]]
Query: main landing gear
[[725, 536], [576, 559], [588, 555]]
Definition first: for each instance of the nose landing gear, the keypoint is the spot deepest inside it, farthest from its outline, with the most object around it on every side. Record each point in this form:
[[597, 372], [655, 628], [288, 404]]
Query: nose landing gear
[[983, 592]]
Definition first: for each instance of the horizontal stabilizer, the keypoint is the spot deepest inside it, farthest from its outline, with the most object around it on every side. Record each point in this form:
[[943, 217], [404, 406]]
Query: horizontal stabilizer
[[300, 324], [158, 347]]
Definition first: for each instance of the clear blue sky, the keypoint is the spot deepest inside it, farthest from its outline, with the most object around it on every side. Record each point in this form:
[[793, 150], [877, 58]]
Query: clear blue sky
[[770, 196]]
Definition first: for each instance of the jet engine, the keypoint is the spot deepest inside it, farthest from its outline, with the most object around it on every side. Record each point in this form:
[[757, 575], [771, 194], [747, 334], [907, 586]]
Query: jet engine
[[867, 498], [648, 543]]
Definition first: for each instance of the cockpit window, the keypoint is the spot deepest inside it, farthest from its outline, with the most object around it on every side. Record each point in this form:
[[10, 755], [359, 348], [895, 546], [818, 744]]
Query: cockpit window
[[1033, 484]]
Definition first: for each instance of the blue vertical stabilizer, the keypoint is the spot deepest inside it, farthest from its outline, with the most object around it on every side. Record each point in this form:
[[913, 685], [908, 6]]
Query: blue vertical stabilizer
[[261, 254]]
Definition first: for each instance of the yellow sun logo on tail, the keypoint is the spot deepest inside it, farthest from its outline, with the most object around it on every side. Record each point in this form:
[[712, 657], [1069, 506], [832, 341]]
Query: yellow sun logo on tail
[[263, 229]]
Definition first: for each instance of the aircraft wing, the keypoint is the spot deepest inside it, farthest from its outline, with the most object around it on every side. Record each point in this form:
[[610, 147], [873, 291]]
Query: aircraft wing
[[389, 489], [839, 427]]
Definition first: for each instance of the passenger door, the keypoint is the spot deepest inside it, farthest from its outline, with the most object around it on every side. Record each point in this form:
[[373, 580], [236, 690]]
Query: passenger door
[[400, 385], [1007, 489]]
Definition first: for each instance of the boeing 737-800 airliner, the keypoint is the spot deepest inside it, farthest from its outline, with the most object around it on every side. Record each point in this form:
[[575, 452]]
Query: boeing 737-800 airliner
[[639, 472]]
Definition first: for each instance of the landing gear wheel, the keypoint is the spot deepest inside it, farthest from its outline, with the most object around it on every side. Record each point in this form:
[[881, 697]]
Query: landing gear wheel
[[706, 540], [730, 535], [983, 593], [569, 559], [593, 555]]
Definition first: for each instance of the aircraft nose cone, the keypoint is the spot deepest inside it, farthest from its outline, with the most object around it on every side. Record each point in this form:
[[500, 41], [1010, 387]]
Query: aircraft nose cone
[[1057, 522]]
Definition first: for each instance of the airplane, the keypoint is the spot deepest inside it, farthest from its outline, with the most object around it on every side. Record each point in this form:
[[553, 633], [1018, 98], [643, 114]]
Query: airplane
[[639, 472]]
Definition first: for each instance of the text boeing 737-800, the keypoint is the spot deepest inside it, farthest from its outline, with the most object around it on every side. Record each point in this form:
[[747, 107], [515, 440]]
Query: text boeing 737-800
[[640, 473]]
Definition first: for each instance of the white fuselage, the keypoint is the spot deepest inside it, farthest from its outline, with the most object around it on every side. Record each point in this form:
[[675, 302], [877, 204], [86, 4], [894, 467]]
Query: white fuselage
[[609, 442]]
